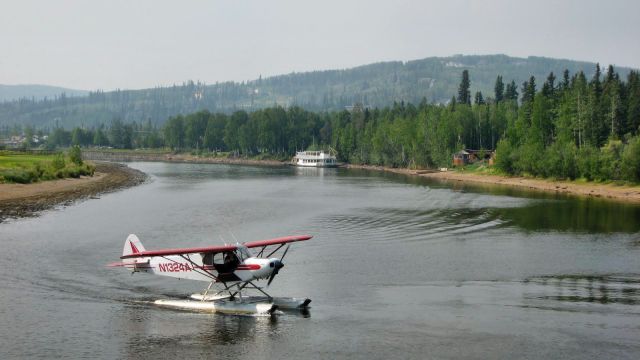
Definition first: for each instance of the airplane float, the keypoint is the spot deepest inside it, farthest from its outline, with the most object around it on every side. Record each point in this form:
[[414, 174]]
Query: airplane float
[[230, 270]]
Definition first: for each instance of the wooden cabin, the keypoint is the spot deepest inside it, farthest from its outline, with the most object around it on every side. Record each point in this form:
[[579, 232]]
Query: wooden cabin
[[470, 156]]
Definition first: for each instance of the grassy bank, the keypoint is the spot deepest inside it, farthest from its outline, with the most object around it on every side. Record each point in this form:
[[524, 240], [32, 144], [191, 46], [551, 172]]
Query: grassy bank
[[26, 168], [19, 200], [480, 168]]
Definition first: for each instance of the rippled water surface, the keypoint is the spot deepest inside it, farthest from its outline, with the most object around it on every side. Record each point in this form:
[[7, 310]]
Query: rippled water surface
[[398, 268]]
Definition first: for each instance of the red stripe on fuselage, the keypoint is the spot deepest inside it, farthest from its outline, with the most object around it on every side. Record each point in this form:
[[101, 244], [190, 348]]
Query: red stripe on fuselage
[[248, 267]]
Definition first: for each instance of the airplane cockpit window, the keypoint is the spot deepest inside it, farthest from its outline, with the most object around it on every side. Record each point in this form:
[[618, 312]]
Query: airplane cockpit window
[[230, 258], [223, 262], [207, 259], [243, 251]]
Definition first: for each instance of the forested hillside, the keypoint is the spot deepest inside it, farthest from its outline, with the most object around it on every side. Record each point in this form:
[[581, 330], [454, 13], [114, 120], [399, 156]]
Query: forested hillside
[[35, 92], [568, 126], [375, 85]]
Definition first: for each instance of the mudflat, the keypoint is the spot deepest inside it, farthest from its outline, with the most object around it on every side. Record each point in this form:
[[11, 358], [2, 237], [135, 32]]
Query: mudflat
[[18, 200]]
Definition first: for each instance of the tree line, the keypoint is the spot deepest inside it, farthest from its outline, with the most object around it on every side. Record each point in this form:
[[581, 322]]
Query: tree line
[[571, 127]]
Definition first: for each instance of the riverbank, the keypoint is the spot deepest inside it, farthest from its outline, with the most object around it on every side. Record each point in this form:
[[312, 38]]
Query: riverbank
[[622, 193], [630, 194], [21, 200], [170, 157]]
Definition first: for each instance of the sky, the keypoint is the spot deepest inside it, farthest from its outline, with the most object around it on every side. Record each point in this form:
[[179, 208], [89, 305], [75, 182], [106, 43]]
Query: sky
[[133, 44]]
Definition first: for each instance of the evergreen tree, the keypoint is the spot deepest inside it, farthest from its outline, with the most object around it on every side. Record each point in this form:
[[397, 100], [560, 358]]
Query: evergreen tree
[[611, 102], [595, 127], [464, 94], [479, 100], [511, 92], [528, 90], [596, 84], [565, 80], [499, 89], [549, 86], [633, 107]]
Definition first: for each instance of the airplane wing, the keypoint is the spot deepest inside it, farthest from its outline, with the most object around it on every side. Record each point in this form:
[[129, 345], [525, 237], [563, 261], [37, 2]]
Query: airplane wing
[[181, 251], [215, 249], [277, 241]]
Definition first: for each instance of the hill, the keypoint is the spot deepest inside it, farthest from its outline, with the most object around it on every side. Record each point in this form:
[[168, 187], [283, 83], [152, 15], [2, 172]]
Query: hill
[[435, 79], [35, 92]]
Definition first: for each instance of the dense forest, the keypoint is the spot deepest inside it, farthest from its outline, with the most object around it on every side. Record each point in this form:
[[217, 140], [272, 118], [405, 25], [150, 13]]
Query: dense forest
[[569, 127], [375, 85]]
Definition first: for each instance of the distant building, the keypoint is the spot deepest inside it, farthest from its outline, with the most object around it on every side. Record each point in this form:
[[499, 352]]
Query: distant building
[[17, 141], [469, 156], [14, 141]]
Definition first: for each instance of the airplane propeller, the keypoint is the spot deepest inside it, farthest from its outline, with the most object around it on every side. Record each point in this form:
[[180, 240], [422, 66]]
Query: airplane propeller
[[277, 265]]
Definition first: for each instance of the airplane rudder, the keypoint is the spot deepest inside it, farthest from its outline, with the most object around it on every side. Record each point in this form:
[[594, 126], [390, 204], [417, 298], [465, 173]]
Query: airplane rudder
[[132, 245]]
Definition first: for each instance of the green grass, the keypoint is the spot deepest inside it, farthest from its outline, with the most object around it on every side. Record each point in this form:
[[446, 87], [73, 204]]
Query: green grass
[[29, 168], [14, 160]]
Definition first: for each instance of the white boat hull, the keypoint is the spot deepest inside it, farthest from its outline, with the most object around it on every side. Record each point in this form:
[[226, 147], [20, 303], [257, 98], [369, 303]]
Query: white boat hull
[[222, 306], [282, 303], [316, 165]]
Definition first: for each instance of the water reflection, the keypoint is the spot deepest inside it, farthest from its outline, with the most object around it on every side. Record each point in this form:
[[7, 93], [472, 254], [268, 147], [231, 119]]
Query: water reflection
[[543, 211], [577, 215], [601, 289], [159, 333]]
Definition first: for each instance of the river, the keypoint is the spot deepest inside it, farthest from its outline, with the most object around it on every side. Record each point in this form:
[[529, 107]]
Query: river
[[399, 267]]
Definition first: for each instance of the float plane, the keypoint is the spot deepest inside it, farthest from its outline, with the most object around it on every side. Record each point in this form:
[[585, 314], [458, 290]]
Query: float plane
[[230, 270]]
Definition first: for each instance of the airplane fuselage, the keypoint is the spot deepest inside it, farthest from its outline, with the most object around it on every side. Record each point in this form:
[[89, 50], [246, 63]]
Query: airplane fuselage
[[194, 268]]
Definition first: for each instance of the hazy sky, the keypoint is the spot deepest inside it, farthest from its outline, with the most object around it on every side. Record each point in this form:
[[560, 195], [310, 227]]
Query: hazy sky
[[112, 44]]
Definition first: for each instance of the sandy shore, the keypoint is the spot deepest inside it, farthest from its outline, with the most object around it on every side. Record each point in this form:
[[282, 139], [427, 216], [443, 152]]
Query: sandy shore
[[186, 158], [608, 191], [19, 200]]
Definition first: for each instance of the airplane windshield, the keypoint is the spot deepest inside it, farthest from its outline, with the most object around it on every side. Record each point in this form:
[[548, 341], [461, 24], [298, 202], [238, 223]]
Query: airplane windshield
[[243, 252]]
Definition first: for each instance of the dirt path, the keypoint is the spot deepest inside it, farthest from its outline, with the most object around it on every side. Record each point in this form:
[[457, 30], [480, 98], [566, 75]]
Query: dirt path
[[20, 200]]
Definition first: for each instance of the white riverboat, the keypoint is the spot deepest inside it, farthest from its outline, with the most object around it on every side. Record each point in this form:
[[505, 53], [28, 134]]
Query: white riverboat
[[315, 159]]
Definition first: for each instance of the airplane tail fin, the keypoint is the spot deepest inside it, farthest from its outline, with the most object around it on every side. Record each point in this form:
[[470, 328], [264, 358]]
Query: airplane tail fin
[[132, 245]]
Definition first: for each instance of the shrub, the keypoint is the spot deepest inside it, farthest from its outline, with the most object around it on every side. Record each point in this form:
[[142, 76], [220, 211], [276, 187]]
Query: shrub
[[588, 163], [611, 164], [75, 155], [560, 161], [505, 156], [531, 159], [631, 160], [21, 176], [58, 162]]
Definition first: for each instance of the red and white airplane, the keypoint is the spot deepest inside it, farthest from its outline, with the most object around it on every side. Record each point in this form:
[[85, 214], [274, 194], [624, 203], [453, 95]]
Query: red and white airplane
[[229, 269]]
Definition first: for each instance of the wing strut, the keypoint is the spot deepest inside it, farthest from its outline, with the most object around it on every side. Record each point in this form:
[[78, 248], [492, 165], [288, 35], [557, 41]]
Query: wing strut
[[274, 251]]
